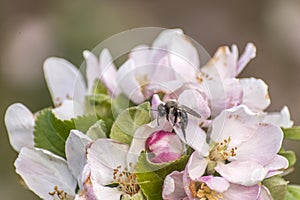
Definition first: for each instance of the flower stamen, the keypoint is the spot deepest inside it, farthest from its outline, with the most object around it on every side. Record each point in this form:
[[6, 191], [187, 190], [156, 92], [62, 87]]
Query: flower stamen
[[201, 191], [222, 152], [60, 194], [127, 180]]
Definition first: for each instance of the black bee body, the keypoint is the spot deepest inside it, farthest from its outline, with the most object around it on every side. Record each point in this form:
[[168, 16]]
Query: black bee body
[[176, 113]]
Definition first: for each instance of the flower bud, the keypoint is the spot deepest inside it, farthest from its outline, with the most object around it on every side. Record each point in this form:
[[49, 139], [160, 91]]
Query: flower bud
[[164, 146]]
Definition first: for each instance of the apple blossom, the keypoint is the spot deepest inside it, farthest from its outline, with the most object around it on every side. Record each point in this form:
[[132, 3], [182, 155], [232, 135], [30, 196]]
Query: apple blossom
[[178, 186], [236, 151]]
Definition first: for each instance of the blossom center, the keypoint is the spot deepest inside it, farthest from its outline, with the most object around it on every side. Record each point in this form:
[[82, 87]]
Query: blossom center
[[201, 191], [127, 181], [58, 194], [222, 152]]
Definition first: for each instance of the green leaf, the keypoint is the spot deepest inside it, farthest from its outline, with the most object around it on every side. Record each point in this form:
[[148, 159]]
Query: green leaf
[[97, 130], [83, 123], [293, 192], [51, 133], [292, 133], [277, 187], [120, 103], [128, 121], [290, 156], [98, 104], [99, 88], [151, 176]]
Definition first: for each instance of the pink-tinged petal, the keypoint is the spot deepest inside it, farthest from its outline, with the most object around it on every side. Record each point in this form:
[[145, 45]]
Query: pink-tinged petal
[[238, 123], [223, 63], [103, 157], [42, 171], [76, 153], [218, 184], [224, 94], [102, 192], [241, 192], [276, 165], [138, 143], [19, 122], [68, 109], [255, 94], [92, 69], [127, 82], [108, 72], [256, 150], [194, 136], [154, 104], [282, 118], [181, 52], [249, 54], [140, 55], [164, 146], [246, 173], [168, 87], [196, 166], [94, 191], [64, 81], [162, 71], [264, 194], [195, 101], [162, 43], [173, 188]]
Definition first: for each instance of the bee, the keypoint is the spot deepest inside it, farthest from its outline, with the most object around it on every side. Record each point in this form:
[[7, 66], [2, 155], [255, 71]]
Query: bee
[[177, 113]]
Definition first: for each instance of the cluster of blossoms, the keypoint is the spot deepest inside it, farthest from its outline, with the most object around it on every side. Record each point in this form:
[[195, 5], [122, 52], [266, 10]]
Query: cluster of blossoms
[[109, 139]]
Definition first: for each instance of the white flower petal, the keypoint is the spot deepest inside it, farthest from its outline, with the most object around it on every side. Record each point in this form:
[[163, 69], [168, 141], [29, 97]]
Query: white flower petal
[[282, 118], [196, 102], [108, 72], [183, 55], [19, 122], [196, 166], [68, 109], [42, 171], [223, 63], [249, 54], [256, 150], [255, 94], [238, 123], [246, 173], [173, 188], [195, 136], [223, 94], [64, 81], [241, 192], [276, 165], [127, 82], [92, 69], [216, 183], [76, 153], [103, 157], [140, 55]]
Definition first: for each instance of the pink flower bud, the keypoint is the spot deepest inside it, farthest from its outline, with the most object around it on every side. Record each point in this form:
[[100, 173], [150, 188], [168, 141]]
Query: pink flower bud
[[163, 146]]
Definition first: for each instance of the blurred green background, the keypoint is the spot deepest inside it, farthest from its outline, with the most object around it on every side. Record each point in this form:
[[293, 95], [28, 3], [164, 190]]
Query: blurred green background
[[33, 30]]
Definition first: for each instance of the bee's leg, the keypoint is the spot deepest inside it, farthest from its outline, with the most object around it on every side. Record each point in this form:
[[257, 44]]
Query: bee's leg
[[175, 117], [157, 120], [183, 130]]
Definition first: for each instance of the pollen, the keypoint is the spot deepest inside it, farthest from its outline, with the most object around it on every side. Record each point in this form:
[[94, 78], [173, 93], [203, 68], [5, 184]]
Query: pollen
[[60, 194], [127, 181], [201, 191], [222, 151]]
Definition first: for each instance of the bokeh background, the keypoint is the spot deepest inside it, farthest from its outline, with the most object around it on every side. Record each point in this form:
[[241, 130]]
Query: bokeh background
[[33, 30]]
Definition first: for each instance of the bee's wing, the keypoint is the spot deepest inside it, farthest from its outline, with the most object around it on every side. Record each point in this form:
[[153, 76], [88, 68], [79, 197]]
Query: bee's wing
[[190, 111]]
